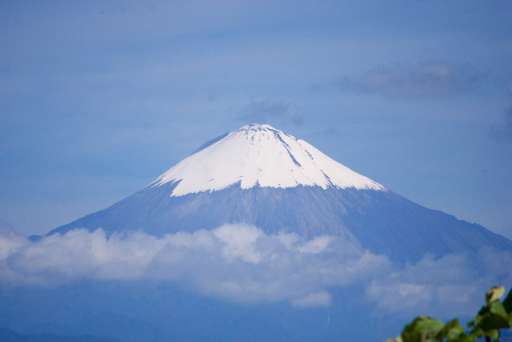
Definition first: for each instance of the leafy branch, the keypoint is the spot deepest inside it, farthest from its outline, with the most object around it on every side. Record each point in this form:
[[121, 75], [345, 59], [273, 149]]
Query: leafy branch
[[488, 323]]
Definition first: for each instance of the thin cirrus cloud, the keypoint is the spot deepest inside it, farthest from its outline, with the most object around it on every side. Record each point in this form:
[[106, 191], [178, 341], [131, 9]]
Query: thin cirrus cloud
[[427, 79], [268, 111], [316, 299], [241, 263]]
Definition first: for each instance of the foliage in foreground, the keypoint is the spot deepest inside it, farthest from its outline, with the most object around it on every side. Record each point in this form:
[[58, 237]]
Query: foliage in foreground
[[489, 322]]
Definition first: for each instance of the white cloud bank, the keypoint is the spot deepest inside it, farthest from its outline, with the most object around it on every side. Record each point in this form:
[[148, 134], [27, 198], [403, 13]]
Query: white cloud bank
[[242, 263], [432, 285], [236, 262]]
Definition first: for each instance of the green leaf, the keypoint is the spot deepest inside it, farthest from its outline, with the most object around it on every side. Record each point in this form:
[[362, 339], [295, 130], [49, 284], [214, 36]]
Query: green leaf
[[495, 293], [451, 331], [476, 333], [493, 333], [463, 338], [422, 329], [497, 308], [494, 318], [507, 303], [396, 339], [490, 319]]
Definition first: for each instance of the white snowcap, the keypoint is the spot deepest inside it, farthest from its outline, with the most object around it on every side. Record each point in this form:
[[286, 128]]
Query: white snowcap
[[260, 155]]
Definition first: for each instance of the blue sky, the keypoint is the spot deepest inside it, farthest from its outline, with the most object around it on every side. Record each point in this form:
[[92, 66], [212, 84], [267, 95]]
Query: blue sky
[[98, 98]]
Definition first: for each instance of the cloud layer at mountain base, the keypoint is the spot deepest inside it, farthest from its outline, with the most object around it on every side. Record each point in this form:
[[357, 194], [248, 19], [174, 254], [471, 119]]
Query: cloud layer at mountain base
[[243, 264], [456, 282]]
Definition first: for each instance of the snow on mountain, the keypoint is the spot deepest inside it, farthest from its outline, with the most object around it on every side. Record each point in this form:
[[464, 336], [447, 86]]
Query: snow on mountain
[[260, 155]]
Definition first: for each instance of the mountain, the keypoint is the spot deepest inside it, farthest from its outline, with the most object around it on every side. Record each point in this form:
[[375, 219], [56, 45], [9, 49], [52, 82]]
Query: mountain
[[261, 176]]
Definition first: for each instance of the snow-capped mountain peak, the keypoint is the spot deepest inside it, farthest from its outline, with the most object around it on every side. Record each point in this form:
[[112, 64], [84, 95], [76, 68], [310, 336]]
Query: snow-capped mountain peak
[[260, 155], [263, 177]]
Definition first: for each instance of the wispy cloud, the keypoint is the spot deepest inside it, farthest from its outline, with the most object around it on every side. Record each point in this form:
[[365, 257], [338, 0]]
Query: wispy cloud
[[266, 111], [427, 79], [312, 300]]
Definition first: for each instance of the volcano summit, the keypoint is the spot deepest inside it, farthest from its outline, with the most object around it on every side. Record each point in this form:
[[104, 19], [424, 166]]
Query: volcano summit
[[261, 176]]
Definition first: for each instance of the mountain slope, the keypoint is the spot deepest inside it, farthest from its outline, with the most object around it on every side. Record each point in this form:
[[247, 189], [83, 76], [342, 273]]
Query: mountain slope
[[261, 176]]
